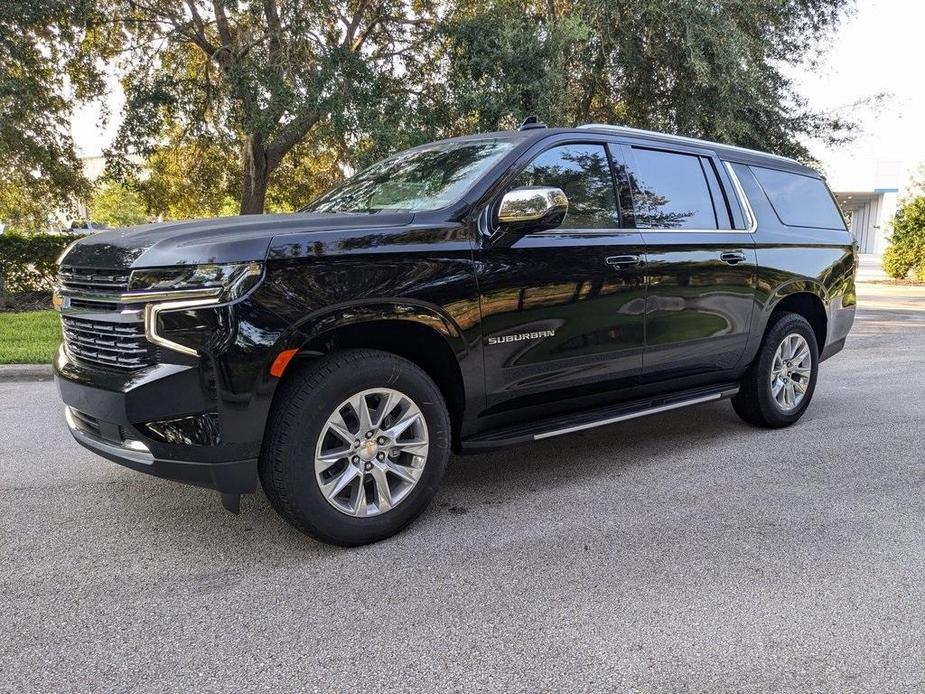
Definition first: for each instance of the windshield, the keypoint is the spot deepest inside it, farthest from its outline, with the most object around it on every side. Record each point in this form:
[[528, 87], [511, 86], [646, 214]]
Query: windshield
[[426, 178]]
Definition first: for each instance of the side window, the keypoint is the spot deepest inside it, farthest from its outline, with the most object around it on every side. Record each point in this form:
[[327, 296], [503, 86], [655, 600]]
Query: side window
[[670, 191], [582, 171], [798, 200]]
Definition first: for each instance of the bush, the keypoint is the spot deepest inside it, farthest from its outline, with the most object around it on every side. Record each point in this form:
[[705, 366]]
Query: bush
[[907, 244], [27, 263]]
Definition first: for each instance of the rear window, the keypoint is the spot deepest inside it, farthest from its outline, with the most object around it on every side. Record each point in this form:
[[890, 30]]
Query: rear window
[[799, 201]]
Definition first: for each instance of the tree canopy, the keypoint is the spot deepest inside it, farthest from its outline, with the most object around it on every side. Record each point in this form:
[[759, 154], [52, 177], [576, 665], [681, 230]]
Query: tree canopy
[[261, 104], [48, 60]]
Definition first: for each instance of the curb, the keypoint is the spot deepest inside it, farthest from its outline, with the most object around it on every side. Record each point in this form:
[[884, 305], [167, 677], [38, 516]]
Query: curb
[[25, 372]]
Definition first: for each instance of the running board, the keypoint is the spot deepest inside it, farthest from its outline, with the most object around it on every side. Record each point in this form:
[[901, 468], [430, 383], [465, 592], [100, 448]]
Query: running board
[[590, 419]]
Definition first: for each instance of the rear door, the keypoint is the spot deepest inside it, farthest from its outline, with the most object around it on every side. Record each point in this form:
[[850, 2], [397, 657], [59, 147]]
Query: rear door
[[701, 268], [562, 310]]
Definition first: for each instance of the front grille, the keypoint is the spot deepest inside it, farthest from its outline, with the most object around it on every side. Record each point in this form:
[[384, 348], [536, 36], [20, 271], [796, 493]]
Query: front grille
[[121, 345], [94, 280]]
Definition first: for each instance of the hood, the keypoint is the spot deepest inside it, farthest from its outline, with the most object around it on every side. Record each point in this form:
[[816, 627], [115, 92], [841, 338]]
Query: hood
[[220, 240]]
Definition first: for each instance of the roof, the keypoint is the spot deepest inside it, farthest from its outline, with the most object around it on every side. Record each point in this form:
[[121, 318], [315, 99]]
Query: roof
[[693, 141]]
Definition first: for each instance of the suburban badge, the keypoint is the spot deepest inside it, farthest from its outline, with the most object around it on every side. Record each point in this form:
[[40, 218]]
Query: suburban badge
[[520, 337]]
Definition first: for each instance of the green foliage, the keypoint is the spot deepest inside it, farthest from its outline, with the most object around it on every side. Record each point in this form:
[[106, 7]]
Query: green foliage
[[28, 263], [116, 205], [906, 251], [258, 78], [254, 84], [30, 337], [705, 69], [44, 46]]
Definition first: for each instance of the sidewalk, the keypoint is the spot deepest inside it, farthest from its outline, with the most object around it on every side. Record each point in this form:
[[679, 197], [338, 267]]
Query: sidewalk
[[871, 269]]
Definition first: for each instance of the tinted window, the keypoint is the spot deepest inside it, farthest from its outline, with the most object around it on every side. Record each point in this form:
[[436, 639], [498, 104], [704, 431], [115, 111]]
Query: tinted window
[[670, 191], [799, 201], [583, 174]]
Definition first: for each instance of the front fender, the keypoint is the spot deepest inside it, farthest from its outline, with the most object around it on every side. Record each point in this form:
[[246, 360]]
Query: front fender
[[317, 324]]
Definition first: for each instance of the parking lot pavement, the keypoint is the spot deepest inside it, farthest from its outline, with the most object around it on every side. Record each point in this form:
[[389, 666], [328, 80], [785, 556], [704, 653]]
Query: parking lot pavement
[[685, 552]]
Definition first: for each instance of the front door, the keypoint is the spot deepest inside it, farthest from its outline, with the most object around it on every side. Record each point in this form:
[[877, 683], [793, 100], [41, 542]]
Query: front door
[[701, 272], [562, 310]]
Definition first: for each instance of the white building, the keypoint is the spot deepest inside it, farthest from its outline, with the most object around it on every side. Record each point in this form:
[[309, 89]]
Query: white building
[[868, 214]]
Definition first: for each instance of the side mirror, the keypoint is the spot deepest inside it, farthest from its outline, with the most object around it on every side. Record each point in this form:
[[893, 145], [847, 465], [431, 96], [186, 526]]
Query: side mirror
[[533, 208]]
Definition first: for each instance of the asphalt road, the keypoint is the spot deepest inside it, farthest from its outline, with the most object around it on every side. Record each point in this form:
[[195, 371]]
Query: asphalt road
[[684, 552]]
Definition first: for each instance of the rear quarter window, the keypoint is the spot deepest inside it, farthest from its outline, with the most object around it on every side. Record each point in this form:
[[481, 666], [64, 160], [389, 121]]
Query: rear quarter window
[[798, 200]]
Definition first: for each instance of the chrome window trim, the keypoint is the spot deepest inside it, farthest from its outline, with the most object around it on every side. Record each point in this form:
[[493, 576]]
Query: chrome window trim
[[694, 142], [746, 206], [747, 210], [152, 311], [644, 230]]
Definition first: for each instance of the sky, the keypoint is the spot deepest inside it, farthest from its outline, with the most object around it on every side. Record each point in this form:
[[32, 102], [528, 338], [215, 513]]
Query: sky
[[876, 50]]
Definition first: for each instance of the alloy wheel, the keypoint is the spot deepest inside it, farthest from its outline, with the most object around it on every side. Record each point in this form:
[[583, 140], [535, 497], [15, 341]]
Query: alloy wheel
[[791, 370], [371, 452]]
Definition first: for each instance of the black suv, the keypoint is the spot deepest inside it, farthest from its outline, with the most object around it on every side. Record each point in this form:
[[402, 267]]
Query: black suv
[[464, 295]]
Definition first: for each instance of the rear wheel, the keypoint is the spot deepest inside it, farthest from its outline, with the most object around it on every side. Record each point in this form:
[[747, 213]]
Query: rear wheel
[[779, 384], [357, 446]]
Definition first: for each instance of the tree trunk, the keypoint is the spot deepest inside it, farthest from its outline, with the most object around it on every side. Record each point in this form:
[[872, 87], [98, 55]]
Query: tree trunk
[[256, 176]]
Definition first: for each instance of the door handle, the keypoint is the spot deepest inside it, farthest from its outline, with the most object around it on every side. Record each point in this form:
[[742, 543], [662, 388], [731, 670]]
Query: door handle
[[619, 261], [733, 258]]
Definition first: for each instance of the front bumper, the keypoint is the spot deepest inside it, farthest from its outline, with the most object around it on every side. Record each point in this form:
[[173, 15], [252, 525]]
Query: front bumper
[[109, 416]]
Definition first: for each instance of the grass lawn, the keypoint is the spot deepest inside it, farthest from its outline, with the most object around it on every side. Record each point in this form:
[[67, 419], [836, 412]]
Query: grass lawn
[[29, 338]]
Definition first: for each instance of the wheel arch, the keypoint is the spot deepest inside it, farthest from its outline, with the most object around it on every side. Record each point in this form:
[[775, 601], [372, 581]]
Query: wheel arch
[[808, 299], [417, 332]]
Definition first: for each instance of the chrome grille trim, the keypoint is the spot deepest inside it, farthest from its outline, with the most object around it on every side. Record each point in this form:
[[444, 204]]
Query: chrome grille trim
[[104, 323], [119, 345], [94, 279], [138, 297]]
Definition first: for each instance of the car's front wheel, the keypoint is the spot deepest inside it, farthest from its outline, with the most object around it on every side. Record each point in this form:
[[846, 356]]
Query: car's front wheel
[[357, 446], [779, 385]]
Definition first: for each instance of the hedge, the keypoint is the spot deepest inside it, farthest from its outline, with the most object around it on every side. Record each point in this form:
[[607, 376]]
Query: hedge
[[906, 251], [28, 263]]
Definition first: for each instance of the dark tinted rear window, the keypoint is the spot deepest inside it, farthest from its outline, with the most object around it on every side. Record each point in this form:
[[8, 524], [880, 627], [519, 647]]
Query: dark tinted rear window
[[671, 191], [799, 201]]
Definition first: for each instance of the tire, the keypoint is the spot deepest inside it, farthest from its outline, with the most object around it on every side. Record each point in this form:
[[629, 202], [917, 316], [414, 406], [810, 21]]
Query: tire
[[304, 425], [756, 402]]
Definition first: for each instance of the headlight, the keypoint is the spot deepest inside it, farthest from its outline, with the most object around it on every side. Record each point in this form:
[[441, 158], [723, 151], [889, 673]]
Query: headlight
[[229, 281]]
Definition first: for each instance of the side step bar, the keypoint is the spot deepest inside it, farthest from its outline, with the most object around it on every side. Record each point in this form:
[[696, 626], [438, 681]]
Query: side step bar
[[590, 419]]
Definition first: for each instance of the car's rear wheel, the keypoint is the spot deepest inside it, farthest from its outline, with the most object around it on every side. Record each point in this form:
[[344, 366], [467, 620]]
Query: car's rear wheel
[[356, 447], [779, 384]]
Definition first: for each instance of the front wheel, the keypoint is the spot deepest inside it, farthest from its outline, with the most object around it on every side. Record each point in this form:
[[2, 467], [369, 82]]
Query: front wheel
[[357, 446], [779, 385]]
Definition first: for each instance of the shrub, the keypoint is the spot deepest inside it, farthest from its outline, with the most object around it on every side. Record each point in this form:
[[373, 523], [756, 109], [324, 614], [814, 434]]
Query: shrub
[[907, 244], [27, 263]]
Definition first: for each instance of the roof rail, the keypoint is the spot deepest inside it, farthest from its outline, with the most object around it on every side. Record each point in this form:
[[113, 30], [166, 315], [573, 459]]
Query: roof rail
[[680, 138]]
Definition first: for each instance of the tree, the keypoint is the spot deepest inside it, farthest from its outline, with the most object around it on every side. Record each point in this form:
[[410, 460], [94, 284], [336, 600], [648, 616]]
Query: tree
[[352, 80], [116, 205], [259, 76], [44, 46], [199, 178], [704, 69]]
